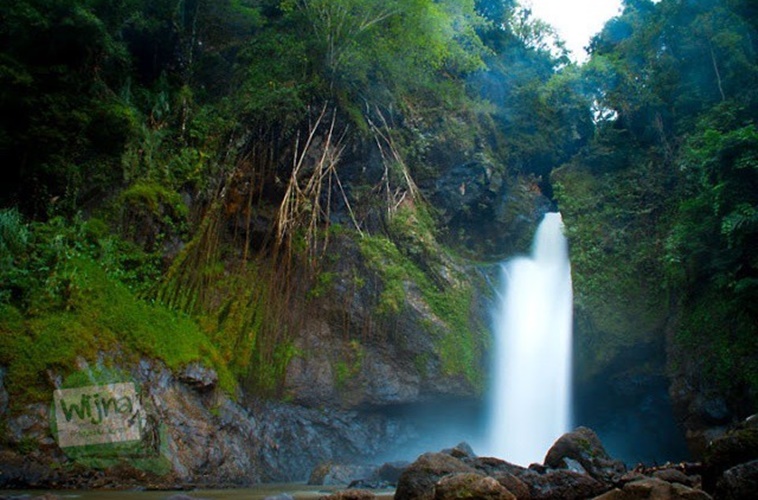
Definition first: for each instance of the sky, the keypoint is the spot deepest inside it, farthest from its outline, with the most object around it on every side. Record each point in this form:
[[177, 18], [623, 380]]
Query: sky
[[575, 20]]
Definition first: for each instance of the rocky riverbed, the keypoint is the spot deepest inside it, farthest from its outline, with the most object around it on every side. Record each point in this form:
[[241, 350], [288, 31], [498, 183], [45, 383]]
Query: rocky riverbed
[[576, 467], [203, 439]]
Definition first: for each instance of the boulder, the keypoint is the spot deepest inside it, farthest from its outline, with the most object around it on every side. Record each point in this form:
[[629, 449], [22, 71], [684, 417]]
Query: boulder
[[739, 482], [330, 474], [513, 484], [614, 494], [658, 489], [583, 447], [390, 472], [492, 466], [735, 448], [383, 477], [472, 486], [671, 475], [199, 377], [418, 481], [461, 450], [562, 484]]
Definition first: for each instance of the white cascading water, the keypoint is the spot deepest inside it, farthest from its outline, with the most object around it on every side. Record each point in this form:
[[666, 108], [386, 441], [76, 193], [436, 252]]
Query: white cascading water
[[531, 393]]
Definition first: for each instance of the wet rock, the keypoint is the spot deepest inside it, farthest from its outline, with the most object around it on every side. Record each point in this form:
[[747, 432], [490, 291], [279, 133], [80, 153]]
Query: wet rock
[[293, 440], [492, 466], [582, 446], [698, 403], [712, 409], [350, 495], [370, 484], [657, 489], [204, 445], [3, 392], [199, 377], [631, 476], [472, 486], [461, 450], [737, 447], [30, 427], [330, 474], [671, 475], [385, 476], [471, 192], [418, 480], [739, 482], [562, 485], [17, 471], [751, 422], [513, 484], [614, 494], [390, 472]]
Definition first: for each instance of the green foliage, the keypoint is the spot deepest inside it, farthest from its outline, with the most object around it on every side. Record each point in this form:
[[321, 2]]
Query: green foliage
[[324, 283], [99, 315], [60, 305], [124, 105], [709, 250], [350, 366], [404, 280], [722, 333], [661, 207], [384, 256], [614, 223], [149, 213], [394, 47], [62, 129], [275, 81]]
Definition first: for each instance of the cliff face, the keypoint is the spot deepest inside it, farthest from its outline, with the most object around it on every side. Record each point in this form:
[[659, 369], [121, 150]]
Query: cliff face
[[371, 345], [647, 331], [201, 436]]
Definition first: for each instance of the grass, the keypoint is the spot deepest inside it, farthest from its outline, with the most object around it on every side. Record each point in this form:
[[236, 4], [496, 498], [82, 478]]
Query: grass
[[100, 315]]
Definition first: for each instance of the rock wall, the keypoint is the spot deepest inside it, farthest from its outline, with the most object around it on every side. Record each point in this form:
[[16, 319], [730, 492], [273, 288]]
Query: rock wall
[[365, 383], [207, 438]]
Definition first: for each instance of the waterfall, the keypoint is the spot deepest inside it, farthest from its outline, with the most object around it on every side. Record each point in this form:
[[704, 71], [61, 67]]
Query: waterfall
[[531, 391]]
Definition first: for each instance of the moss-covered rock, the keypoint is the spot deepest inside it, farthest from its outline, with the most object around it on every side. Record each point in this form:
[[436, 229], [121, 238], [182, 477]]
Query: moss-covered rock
[[418, 481], [470, 486], [584, 447]]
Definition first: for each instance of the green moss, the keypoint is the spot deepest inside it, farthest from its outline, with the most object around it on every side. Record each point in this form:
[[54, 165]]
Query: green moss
[[269, 368], [350, 366], [383, 256], [724, 337], [99, 315], [245, 330], [155, 199], [324, 283], [586, 447], [459, 342], [421, 362], [616, 238]]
